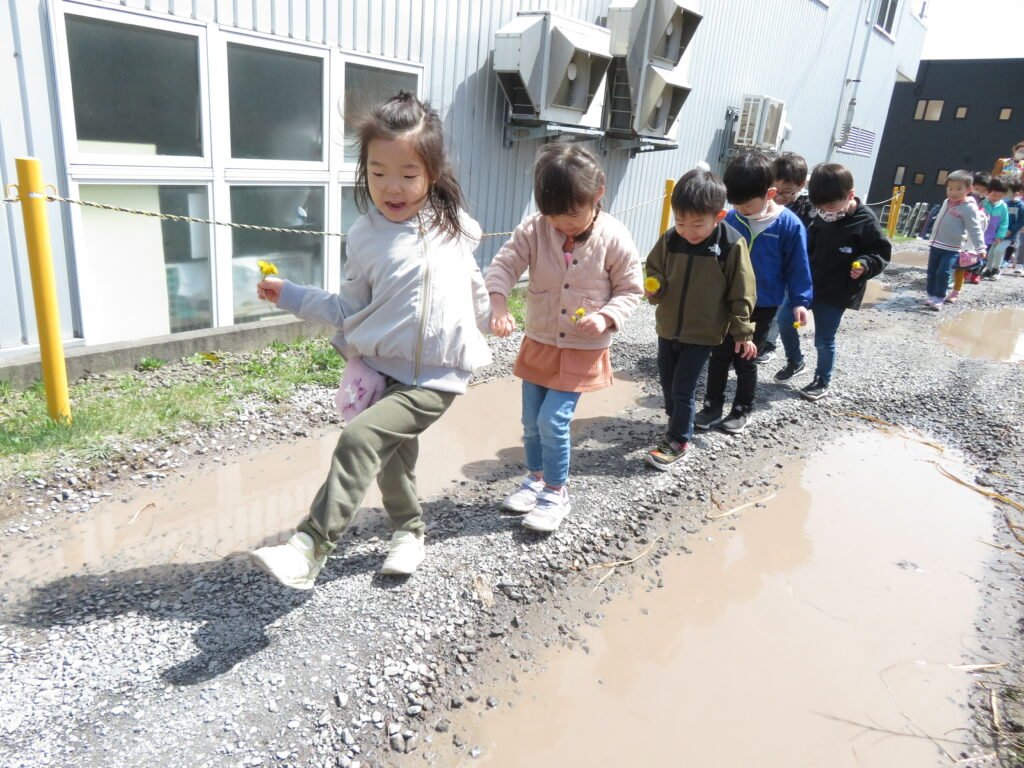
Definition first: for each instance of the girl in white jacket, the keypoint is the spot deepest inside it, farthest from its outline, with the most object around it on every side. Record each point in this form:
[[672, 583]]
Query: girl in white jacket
[[413, 306]]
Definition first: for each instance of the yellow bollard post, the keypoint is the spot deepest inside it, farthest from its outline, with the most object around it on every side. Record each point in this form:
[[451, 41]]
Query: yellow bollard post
[[32, 195], [894, 210], [666, 206]]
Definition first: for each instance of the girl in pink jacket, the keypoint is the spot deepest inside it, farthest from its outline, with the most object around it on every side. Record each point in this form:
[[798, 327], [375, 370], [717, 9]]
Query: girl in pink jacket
[[585, 281]]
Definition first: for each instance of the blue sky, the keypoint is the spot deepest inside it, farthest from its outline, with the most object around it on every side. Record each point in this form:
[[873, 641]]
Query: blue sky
[[973, 29]]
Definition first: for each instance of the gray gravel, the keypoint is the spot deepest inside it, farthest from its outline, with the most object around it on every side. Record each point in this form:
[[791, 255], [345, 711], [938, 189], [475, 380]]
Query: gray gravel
[[214, 665]]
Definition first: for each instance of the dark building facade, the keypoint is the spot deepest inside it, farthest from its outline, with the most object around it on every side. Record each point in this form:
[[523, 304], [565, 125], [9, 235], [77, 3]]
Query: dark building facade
[[956, 115]]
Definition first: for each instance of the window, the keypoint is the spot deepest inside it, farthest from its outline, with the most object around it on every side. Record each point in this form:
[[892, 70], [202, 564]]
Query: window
[[277, 104], [886, 18], [300, 258], [897, 178], [125, 101], [930, 110], [1005, 113], [940, 179], [961, 113], [161, 269], [919, 178], [364, 87]]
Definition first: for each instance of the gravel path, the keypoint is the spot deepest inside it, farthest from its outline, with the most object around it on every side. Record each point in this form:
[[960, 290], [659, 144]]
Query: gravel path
[[211, 664]]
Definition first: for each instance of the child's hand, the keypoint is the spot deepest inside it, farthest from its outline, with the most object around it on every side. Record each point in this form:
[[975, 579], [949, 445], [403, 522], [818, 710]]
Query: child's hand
[[502, 325], [800, 315], [652, 287], [857, 269], [746, 349], [593, 324], [270, 289]]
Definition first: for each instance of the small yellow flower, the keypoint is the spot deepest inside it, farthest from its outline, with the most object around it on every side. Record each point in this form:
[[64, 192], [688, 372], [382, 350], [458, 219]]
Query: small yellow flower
[[267, 268], [797, 324], [652, 285], [578, 314], [856, 265]]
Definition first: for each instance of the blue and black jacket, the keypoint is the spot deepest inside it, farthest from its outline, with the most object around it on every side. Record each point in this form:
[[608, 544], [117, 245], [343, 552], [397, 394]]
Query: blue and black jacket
[[779, 257]]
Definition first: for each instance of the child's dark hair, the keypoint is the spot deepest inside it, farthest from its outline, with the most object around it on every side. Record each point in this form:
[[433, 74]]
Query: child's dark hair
[[791, 168], [748, 176], [699, 191], [996, 184], [401, 116], [982, 179], [829, 183], [1016, 187], [960, 177], [566, 178]]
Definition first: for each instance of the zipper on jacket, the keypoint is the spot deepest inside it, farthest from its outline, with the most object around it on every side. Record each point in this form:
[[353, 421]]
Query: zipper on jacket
[[426, 299], [682, 296]]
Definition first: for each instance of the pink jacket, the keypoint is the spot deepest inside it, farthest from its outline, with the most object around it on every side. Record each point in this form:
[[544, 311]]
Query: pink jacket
[[603, 276]]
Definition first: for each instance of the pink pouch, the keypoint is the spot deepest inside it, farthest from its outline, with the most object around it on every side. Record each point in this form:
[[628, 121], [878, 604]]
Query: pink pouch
[[360, 387], [968, 259]]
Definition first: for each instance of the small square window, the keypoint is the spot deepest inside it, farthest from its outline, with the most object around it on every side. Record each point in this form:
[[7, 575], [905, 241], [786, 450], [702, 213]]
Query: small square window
[[886, 19], [922, 105], [961, 113], [934, 112], [919, 178], [897, 178], [1005, 113], [940, 179]]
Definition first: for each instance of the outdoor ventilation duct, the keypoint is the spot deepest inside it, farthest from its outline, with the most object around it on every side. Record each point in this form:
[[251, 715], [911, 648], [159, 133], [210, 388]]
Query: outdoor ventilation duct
[[552, 69], [649, 39]]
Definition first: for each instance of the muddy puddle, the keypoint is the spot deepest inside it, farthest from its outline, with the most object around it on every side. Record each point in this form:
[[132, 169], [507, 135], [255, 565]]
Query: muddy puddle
[[991, 335], [248, 501], [845, 600], [911, 257]]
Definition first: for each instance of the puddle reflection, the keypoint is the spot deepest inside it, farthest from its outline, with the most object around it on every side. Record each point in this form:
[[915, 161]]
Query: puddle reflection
[[996, 335]]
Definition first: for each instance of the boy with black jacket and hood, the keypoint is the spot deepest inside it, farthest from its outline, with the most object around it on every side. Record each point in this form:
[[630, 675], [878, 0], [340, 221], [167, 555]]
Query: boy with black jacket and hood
[[700, 278], [846, 248]]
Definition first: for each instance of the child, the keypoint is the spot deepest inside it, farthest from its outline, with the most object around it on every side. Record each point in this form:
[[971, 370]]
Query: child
[[778, 253], [998, 226], [705, 293], [411, 305], [1013, 234], [585, 281], [847, 248], [790, 171], [957, 227]]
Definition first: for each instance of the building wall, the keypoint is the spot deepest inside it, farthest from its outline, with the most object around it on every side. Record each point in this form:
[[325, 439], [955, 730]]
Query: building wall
[[800, 51], [972, 143]]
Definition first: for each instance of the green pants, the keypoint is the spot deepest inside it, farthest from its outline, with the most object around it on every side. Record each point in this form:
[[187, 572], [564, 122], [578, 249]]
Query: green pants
[[381, 442]]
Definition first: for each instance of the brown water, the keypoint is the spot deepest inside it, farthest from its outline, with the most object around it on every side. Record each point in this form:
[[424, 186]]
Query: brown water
[[247, 501], [911, 258], [846, 597], [876, 293], [993, 335]]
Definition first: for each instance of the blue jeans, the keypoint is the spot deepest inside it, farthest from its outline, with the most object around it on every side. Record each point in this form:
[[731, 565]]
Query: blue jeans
[[940, 271], [826, 323], [547, 414], [679, 368]]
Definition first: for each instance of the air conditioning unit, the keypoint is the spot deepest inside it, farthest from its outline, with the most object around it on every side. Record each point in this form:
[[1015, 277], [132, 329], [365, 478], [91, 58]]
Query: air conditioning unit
[[553, 69], [649, 84], [761, 124]]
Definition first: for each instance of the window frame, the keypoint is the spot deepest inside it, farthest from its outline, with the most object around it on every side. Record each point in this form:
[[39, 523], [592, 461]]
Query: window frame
[[940, 177], [919, 175], [890, 32], [958, 116], [1009, 114]]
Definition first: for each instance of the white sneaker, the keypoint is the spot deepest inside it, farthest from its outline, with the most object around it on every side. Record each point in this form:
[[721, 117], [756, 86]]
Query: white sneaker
[[1018, 269], [525, 498], [294, 564], [550, 511], [406, 553]]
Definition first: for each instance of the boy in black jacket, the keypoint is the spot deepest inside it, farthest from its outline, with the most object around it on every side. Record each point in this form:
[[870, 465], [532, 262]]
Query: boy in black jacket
[[846, 249]]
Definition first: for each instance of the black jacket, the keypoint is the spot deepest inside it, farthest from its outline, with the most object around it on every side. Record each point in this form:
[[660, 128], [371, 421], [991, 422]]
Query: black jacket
[[833, 247], [803, 209]]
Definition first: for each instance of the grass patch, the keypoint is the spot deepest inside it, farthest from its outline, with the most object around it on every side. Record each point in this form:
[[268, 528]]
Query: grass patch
[[517, 306], [150, 364], [902, 239], [203, 390]]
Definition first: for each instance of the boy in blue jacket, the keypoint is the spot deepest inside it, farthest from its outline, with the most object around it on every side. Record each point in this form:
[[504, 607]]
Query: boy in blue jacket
[[778, 253]]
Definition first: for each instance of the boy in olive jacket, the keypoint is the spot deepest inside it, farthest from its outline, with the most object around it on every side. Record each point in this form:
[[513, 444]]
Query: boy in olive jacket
[[700, 278]]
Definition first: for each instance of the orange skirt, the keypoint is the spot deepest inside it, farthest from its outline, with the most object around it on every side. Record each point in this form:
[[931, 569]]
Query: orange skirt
[[566, 370]]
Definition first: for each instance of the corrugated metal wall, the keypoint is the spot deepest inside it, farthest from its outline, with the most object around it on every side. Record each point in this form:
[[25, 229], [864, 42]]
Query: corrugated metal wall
[[800, 51]]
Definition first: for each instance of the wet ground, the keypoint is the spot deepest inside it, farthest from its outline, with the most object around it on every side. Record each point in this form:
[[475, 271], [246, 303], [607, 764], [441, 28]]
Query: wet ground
[[796, 632], [996, 335]]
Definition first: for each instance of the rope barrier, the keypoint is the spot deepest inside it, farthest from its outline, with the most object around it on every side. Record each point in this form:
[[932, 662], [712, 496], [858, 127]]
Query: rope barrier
[[255, 227], [883, 202]]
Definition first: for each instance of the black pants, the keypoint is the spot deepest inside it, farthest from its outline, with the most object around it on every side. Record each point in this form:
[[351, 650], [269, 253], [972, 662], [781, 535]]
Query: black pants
[[724, 355], [679, 368]]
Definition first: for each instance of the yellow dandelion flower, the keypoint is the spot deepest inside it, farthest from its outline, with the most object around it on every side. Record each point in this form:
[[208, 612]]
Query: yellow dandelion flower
[[267, 268], [856, 265], [578, 314], [796, 324], [652, 285]]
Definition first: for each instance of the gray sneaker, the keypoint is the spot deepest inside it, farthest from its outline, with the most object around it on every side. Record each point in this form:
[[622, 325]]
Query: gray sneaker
[[737, 420], [707, 417]]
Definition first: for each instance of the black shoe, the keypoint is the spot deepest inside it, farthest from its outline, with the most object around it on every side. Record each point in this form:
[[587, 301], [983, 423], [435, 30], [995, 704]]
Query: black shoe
[[736, 421], [791, 370], [765, 357], [816, 390], [707, 417]]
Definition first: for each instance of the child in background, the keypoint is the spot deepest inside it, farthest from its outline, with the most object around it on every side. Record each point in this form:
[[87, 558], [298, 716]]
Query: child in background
[[847, 248], [998, 226], [411, 306], [585, 281], [705, 291], [778, 253], [1014, 234], [961, 275], [790, 171], [957, 227]]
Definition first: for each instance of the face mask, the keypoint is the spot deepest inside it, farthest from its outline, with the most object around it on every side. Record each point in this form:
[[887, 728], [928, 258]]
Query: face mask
[[1019, 154], [829, 216]]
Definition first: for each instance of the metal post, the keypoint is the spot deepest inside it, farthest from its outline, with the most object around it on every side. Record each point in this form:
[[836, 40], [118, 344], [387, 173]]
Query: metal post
[[666, 206], [894, 210], [32, 195]]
